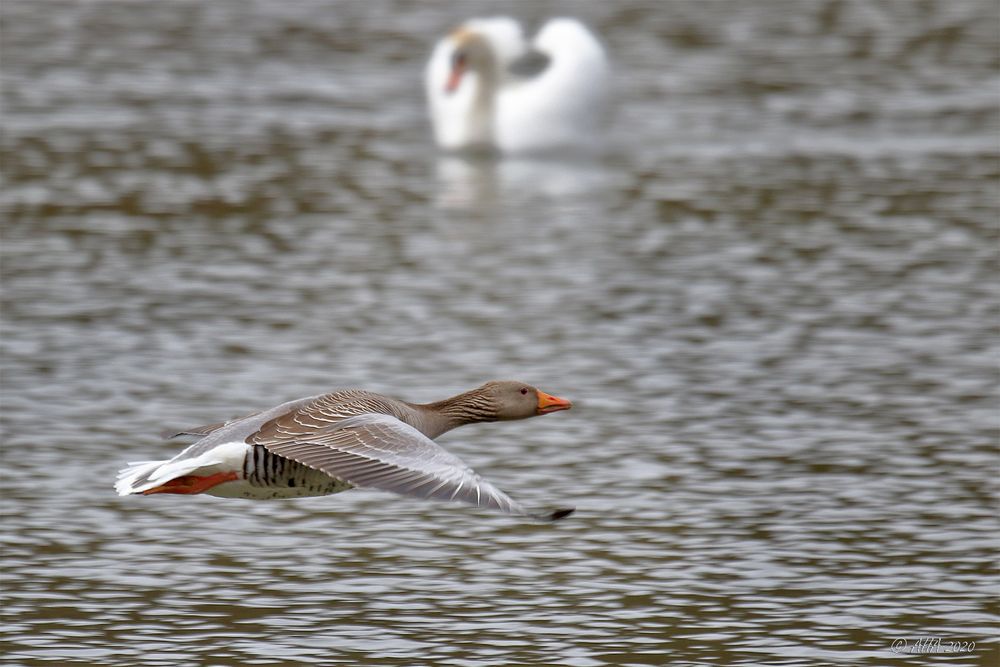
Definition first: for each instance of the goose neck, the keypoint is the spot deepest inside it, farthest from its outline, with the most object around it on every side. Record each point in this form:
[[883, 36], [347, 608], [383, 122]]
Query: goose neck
[[470, 407]]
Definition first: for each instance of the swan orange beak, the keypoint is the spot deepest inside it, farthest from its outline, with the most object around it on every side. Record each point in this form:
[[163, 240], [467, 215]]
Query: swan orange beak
[[454, 79], [547, 404]]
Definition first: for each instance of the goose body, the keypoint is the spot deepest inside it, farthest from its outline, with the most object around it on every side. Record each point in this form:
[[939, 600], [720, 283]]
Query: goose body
[[488, 87], [329, 443]]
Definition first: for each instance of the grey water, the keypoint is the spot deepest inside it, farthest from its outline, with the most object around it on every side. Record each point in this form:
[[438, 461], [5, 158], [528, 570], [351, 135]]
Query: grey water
[[774, 303]]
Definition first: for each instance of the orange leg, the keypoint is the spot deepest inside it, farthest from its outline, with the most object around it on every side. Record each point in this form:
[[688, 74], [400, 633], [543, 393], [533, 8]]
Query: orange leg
[[191, 484]]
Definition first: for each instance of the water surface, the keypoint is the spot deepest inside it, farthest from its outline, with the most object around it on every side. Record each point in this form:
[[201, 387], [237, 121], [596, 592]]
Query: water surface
[[773, 304]]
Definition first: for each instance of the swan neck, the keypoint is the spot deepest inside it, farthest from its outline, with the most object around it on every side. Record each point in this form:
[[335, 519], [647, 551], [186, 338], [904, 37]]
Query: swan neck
[[483, 107]]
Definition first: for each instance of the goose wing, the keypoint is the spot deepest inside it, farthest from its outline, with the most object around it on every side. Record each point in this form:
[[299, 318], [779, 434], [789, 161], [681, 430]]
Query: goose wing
[[206, 429], [379, 451]]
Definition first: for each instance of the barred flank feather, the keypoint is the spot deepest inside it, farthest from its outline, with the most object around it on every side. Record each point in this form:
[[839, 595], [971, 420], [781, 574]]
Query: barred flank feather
[[268, 470]]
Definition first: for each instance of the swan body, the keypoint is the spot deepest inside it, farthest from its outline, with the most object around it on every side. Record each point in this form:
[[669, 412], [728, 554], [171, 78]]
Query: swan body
[[488, 87]]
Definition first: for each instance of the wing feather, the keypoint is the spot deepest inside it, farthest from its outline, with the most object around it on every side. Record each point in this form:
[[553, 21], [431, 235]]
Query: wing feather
[[381, 452], [206, 429]]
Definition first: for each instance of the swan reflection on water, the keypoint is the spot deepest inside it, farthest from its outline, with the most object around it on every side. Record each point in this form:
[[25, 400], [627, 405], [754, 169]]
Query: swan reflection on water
[[484, 182]]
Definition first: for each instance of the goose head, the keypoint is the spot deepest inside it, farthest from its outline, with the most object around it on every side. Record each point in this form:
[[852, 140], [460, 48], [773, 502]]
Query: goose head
[[498, 400], [518, 400]]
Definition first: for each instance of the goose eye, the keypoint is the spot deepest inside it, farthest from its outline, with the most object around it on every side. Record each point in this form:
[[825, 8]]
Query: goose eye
[[458, 60], [524, 391]]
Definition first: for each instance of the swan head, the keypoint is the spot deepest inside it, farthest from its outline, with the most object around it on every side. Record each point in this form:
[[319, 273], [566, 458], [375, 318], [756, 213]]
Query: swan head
[[484, 46], [471, 52]]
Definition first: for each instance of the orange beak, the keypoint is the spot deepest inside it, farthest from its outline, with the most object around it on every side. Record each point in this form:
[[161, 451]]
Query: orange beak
[[547, 404], [454, 79]]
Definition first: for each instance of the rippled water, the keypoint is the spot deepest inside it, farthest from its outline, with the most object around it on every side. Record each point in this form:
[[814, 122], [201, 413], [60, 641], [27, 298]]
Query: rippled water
[[774, 304]]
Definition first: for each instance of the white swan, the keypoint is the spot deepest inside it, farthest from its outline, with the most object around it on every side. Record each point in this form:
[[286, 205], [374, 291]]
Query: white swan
[[490, 88]]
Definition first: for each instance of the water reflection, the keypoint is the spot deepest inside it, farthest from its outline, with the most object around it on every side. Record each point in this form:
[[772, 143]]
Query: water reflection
[[484, 183], [466, 184]]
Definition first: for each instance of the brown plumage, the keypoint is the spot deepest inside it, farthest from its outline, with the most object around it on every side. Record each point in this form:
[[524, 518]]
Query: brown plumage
[[332, 442]]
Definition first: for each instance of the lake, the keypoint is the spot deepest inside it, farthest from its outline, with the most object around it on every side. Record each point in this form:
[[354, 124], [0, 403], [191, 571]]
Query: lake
[[773, 302]]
